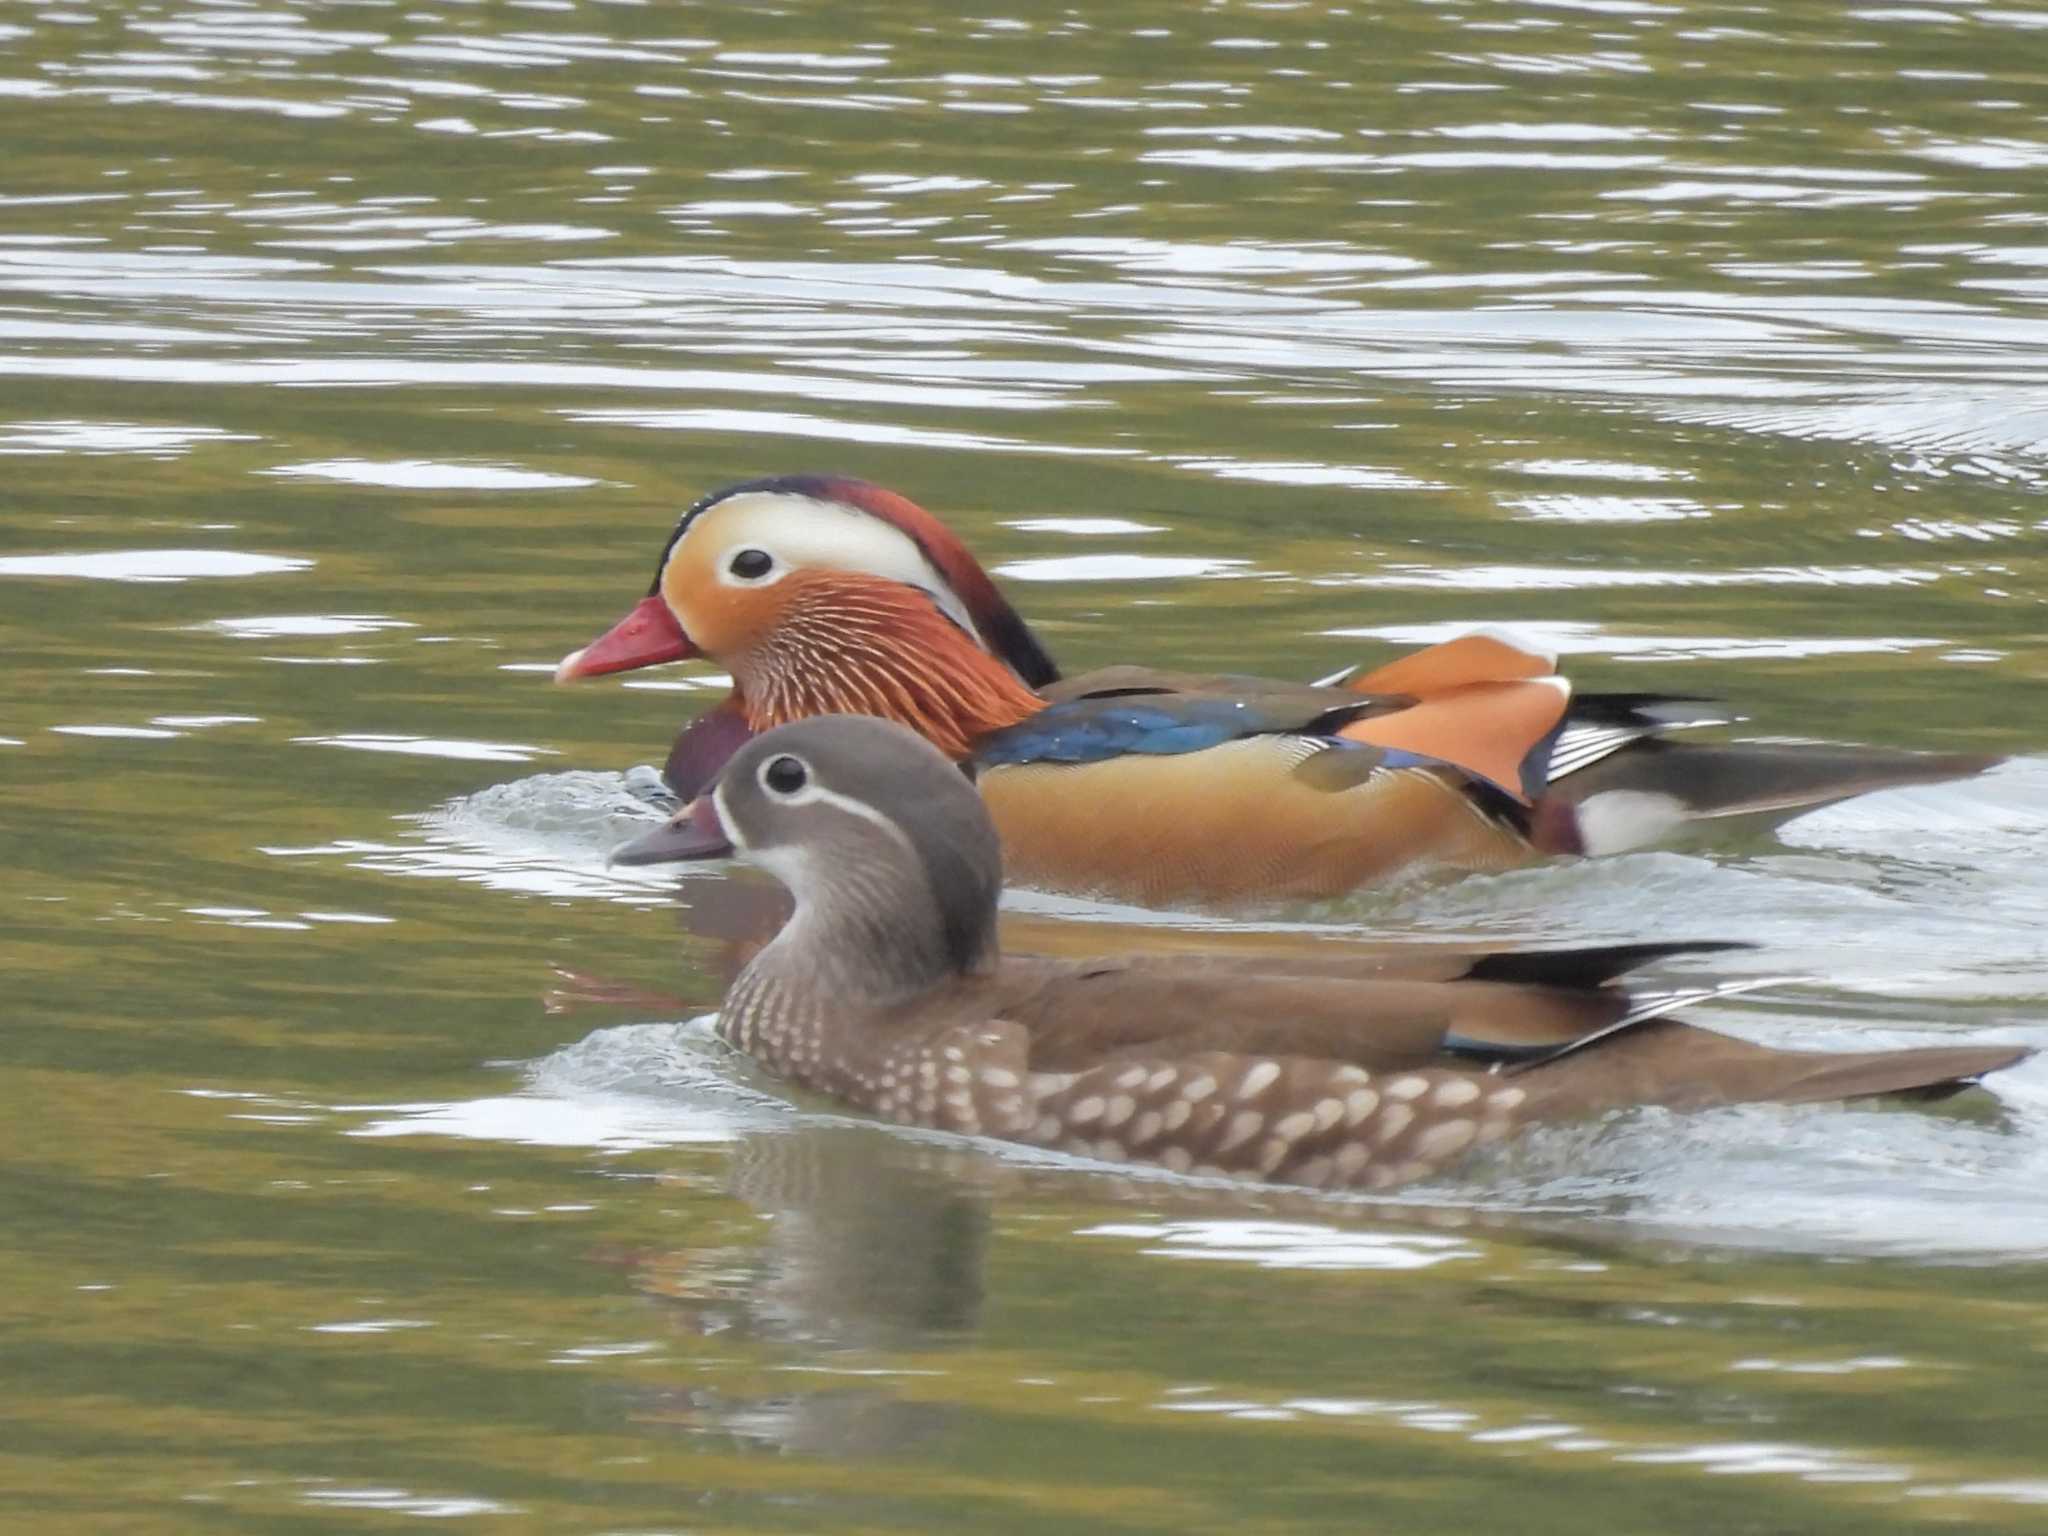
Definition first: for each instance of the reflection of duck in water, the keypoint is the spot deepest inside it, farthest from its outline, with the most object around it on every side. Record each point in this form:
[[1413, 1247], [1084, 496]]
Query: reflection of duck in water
[[869, 1243], [885, 990], [828, 595]]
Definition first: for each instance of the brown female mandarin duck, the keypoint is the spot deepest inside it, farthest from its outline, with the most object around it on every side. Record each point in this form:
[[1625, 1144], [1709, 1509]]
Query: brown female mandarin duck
[[825, 595], [885, 990]]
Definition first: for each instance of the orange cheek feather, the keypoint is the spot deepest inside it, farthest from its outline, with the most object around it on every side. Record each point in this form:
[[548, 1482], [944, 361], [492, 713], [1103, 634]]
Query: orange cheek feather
[[722, 622], [841, 644]]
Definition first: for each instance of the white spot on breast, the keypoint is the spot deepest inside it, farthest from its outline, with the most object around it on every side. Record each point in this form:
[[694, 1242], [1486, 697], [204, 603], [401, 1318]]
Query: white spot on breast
[[1272, 1153], [1359, 1103], [1175, 1115], [1198, 1088], [1505, 1098], [1315, 1172], [1130, 1077], [1179, 1159], [1456, 1091], [1393, 1121], [1409, 1087], [1328, 1112], [1295, 1126], [998, 1077], [1440, 1141], [1118, 1109], [1349, 1074], [1259, 1079], [959, 1077], [1046, 1130], [1086, 1110], [1350, 1158], [1145, 1127], [1244, 1125], [954, 1053], [1160, 1079]]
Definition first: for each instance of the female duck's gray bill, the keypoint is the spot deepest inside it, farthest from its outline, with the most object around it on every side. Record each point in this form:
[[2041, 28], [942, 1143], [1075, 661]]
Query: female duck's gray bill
[[694, 832]]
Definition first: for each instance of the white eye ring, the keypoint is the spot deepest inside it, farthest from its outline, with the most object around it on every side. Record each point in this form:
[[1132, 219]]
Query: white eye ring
[[785, 777], [748, 565]]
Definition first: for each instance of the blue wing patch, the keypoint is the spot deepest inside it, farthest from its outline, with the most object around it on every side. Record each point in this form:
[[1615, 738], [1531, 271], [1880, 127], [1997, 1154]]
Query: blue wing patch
[[1093, 730], [1168, 725]]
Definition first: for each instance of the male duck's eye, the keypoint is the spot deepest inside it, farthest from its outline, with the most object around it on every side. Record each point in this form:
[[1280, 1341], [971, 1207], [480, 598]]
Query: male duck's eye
[[785, 775], [751, 564]]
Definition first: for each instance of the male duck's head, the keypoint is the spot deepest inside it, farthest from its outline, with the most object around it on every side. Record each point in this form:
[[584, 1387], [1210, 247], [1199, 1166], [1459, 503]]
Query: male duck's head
[[883, 842], [823, 594]]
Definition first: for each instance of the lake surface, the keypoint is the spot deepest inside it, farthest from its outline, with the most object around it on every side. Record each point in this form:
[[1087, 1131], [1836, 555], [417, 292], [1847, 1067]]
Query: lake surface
[[363, 1166]]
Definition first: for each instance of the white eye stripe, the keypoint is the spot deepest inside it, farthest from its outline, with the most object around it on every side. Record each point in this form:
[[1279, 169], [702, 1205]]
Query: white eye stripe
[[808, 533], [814, 793]]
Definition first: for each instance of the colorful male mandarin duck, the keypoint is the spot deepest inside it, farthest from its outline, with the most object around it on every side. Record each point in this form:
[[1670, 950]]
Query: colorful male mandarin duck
[[822, 594], [885, 990]]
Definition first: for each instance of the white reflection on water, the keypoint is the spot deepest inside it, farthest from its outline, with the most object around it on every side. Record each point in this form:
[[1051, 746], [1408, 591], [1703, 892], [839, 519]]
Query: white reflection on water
[[1084, 526], [433, 746], [1290, 1245], [1604, 509], [137, 732], [1558, 578], [405, 1501], [429, 475], [281, 625], [100, 437], [801, 424], [1116, 568], [150, 564], [1575, 637]]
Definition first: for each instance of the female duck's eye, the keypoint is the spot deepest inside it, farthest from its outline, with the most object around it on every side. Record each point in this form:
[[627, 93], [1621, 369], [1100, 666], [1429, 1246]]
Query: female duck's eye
[[751, 564], [785, 775]]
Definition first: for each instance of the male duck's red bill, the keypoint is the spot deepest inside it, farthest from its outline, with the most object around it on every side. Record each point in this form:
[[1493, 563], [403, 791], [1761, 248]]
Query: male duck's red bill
[[828, 595], [645, 637]]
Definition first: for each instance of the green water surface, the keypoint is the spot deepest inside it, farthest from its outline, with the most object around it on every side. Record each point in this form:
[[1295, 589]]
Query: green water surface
[[354, 359]]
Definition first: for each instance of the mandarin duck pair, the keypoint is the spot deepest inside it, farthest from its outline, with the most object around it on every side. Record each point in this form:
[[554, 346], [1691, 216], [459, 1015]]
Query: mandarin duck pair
[[871, 654]]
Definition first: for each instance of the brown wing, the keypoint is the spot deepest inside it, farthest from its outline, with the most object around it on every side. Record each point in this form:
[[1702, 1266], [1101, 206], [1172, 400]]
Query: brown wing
[[1081, 1014], [1680, 1067]]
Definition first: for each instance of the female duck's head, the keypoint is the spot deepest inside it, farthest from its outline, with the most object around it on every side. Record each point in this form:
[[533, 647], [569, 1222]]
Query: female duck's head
[[885, 844]]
